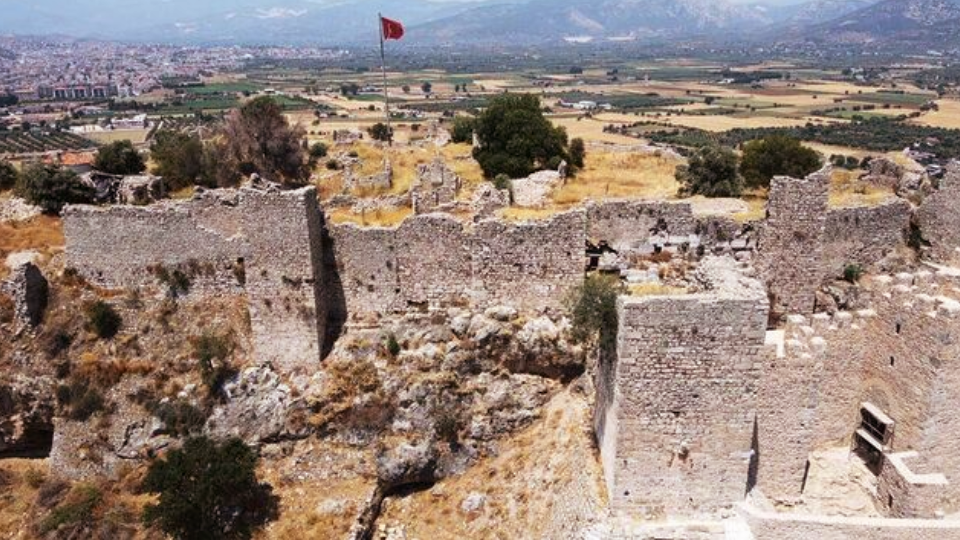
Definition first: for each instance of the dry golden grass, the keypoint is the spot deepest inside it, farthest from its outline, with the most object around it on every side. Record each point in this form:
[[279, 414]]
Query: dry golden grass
[[846, 189], [654, 289], [136, 136], [377, 218], [619, 175], [405, 159], [42, 233], [726, 123], [19, 481], [947, 117], [590, 129]]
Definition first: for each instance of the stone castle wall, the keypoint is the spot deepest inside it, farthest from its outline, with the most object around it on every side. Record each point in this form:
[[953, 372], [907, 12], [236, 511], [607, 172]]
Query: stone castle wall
[[900, 356], [117, 246], [684, 396], [778, 526], [632, 222], [262, 244], [435, 260]]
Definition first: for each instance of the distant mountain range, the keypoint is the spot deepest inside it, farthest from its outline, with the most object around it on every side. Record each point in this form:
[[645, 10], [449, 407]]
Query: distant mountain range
[[918, 23]]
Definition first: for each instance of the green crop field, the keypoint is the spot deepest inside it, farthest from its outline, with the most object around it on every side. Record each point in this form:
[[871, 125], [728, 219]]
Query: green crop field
[[18, 142]]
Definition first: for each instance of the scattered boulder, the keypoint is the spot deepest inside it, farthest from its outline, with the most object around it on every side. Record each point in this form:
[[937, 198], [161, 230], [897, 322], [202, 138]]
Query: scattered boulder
[[140, 190], [473, 502], [407, 464], [17, 209]]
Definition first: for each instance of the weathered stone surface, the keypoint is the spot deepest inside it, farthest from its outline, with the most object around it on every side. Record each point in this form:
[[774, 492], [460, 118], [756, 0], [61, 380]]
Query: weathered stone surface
[[533, 190], [258, 407], [28, 288], [17, 209], [487, 199]]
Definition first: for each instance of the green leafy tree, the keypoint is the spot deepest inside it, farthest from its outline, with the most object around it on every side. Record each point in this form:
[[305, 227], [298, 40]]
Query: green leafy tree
[[592, 307], [119, 157], [462, 130], [427, 87], [260, 140], [712, 172], [51, 188], [178, 158], [776, 155], [380, 132], [515, 138], [8, 175], [578, 153], [208, 491]]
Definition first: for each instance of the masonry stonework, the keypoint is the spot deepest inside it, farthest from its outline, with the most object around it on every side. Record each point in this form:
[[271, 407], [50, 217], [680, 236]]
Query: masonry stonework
[[790, 248], [684, 396]]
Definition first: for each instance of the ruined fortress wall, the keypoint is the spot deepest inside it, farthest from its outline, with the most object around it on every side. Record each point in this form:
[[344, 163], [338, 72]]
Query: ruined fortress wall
[[863, 235], [632, 222], [528, 265], [939, 219], [686, 391], [433, 260], [790, 248], [283, 277], [115, 246]]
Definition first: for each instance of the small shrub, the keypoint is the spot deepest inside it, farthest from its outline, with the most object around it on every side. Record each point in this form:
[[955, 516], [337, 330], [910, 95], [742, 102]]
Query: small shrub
[[318, 150], [34, 478], [212, 352], [57, 343], [208, 490], [103, 320], [177, 281], [180, 417], [76, 511], [80, 399], [333, 165], [501, 182], [852, 273], [393, 346]]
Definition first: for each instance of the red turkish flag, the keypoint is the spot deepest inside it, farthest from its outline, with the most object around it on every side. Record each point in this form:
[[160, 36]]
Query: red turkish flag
[[391, 29]]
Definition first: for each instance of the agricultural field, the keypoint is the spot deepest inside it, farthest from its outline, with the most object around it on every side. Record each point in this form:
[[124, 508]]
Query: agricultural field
[[17, 142]]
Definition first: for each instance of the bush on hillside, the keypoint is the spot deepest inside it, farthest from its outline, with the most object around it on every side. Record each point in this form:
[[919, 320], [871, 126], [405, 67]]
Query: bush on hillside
[[208, 490], [775, 156], [515, 137], [119, 157], [51, 188]]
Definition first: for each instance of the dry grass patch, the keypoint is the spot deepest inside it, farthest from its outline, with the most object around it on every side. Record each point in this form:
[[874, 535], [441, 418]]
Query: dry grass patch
[[947, 117], [618, 175], [42, 233], [847, 189], [377, 218], [655, 289]]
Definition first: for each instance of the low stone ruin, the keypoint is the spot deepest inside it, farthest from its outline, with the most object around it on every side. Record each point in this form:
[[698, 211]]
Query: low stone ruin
[[436, 187], [381, 180], [28, 288], [118, 189]]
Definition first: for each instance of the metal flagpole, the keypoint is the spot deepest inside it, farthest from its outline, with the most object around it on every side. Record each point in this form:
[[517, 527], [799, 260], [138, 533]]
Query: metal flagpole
[[383, 71]]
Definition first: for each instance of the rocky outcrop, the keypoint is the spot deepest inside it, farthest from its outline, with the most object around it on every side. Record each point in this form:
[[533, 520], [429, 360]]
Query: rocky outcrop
[[17, 209], [258, 407]]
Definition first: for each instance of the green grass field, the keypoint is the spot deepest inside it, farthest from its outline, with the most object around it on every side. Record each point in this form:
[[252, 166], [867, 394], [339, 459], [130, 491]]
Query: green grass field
[[222, 88]]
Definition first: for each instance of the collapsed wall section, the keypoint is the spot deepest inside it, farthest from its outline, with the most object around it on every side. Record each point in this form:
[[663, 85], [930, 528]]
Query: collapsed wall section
[[790, 246], [631, 223], [684, 396]]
